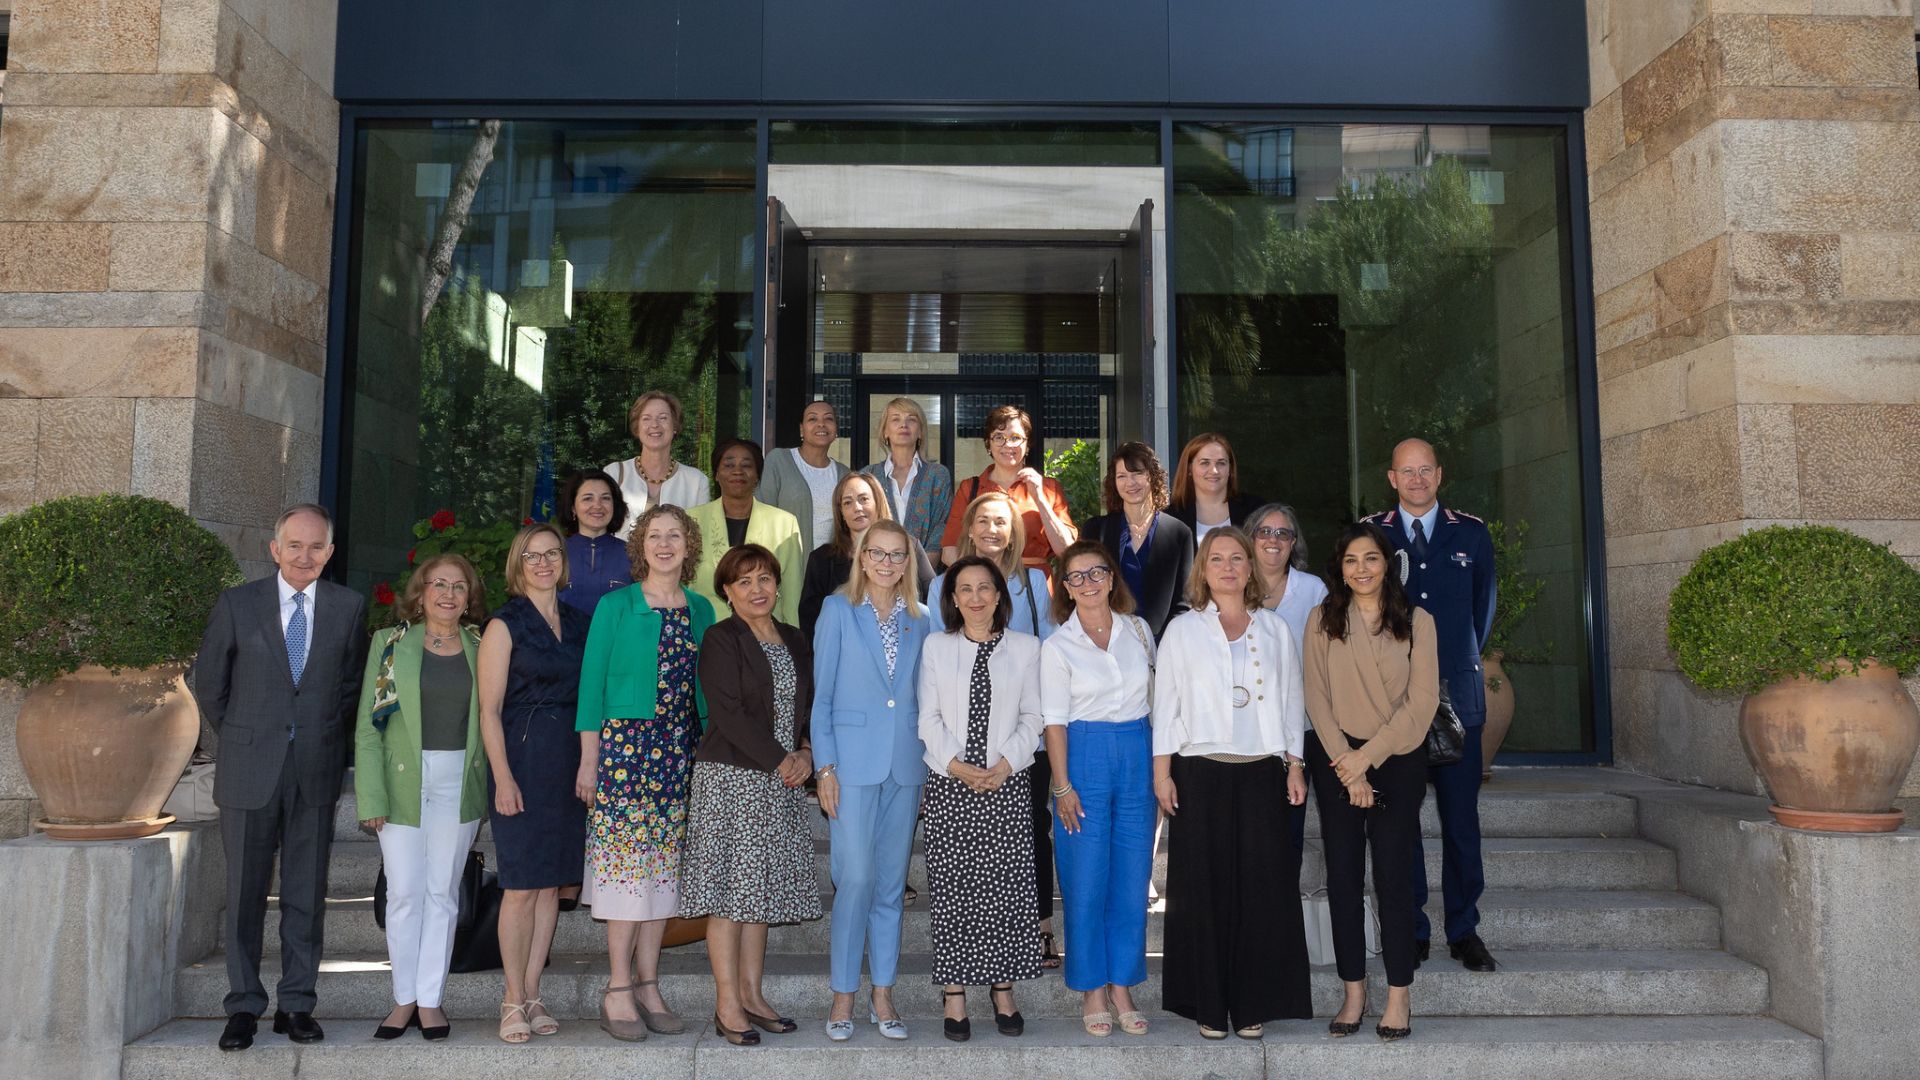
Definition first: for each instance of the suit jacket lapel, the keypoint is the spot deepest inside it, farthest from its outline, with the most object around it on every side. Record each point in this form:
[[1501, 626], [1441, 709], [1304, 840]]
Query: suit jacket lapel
[[408, 657], [270, 612], [869, 628]]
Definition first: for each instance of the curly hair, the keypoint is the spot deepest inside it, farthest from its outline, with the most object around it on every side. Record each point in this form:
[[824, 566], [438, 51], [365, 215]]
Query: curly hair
[[637, 541], [1138, 457]]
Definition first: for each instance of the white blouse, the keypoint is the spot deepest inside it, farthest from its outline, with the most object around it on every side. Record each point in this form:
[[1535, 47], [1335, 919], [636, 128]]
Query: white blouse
[[1304, 592], [1079, 680], [1193, 711], [686, 488]]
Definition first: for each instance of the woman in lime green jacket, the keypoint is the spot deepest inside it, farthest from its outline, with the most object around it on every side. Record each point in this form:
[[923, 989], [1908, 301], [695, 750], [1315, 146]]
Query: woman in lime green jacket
[[419, 777], [640, 717]]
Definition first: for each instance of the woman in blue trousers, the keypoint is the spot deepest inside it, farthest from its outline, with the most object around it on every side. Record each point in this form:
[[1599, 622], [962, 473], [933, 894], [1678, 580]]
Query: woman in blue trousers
[[867, 750], [1096, 672]]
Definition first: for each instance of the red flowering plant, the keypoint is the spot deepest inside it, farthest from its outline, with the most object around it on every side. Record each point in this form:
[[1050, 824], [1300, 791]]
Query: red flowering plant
[[485, 546]]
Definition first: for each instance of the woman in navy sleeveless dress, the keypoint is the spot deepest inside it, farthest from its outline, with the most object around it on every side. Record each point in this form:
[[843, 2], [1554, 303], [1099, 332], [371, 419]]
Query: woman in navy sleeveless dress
[[544, 845]]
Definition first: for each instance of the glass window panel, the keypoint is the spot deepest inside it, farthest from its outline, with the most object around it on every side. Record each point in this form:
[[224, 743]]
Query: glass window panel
[[1340, 287], [942, 142], [596, 261]]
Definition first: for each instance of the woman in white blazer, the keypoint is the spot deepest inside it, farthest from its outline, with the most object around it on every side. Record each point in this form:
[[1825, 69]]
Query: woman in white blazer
[[1229, 717], [980, 720]]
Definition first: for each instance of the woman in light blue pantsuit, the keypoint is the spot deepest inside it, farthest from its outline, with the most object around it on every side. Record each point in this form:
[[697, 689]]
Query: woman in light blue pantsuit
[[867, 750]]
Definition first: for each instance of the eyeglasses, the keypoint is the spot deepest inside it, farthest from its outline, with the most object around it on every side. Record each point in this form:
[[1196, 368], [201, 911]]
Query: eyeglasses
[[998, 439], [532, 557], [1093, 574], [1424, 472], [454, 587], [1274, 532], [891, 558]]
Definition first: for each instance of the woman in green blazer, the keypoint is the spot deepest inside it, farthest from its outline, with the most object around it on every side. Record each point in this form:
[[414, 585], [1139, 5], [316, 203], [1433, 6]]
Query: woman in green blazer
[[640, 717], [420, 778]]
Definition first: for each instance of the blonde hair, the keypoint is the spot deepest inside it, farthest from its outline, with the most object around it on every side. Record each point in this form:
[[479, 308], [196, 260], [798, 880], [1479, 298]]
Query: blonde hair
[[1199, 595], [1010, 560], [904, 404], [517, 566], [856, 589]]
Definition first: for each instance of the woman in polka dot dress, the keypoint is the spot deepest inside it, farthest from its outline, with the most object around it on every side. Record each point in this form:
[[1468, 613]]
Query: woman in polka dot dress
[[980, 721]]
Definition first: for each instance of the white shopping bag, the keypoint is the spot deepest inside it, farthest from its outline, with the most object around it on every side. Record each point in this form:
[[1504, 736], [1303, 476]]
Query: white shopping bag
[[1318, 917]]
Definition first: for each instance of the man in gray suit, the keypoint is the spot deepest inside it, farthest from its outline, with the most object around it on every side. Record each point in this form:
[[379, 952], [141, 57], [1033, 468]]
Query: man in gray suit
[[278, 676]]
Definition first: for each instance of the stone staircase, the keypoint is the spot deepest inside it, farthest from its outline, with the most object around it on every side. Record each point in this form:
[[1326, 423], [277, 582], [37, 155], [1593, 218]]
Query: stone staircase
[[1607, 970]]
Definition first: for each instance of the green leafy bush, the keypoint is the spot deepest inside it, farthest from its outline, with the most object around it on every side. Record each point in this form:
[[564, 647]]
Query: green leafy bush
[[485, 546], [1808, 600], [1082, 473], [122, 581], [1516, 592]]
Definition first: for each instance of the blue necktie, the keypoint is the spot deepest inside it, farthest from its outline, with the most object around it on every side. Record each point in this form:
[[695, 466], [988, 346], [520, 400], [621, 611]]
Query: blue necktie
[[297, 638], [1419, 540]]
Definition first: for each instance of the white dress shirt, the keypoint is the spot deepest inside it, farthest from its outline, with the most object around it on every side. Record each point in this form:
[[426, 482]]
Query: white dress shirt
[[1079, 680], [902, 485], [1304, 592], [1193, 684], [286, 613]]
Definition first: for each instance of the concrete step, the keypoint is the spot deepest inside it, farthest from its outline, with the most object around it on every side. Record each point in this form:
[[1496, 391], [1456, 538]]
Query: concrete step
[[1529, 983], [1516, 805], [1596, 1048], [1509, 918], [1511, 863]]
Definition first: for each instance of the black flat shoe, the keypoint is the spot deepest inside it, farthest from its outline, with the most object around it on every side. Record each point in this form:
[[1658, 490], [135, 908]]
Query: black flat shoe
[[775, 1025], [238, 1034], [432, 1034], [958, 1030], [1392, 1034], [1421, 951], [1007, 1023], [388, 1031], [297, 1027], [744, 1037], [1472, 953], [1340, 1029]]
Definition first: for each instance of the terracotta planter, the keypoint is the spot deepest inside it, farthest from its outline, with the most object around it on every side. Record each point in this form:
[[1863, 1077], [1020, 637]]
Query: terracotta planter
[[684, 931], [1833, 755], [1499, 711], [103, 750]]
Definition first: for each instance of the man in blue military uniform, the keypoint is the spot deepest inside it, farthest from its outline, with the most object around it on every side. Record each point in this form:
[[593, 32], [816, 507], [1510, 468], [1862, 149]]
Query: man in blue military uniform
[[1449, 571]]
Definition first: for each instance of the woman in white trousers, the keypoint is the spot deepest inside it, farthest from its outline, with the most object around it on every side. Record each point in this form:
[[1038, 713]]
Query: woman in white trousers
[[420, 778]]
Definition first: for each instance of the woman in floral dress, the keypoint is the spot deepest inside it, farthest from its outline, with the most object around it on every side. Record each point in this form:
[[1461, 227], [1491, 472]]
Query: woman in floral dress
[[639, 721]]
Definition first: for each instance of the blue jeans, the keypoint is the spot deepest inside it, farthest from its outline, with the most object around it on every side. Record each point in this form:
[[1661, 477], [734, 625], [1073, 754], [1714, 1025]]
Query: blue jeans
[[1104, 866]]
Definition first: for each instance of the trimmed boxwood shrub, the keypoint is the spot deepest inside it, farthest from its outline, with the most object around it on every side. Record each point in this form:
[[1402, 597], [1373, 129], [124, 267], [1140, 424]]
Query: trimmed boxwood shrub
[[123, 581], [1808, 600]]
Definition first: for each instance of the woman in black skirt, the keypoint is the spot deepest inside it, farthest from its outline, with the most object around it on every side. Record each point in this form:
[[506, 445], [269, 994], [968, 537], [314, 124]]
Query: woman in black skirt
[[980, 721], [1228, 724]]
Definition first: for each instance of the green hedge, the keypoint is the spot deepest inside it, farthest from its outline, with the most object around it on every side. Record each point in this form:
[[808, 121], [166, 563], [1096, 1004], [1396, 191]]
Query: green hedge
[[1793, 600], [123, 581]]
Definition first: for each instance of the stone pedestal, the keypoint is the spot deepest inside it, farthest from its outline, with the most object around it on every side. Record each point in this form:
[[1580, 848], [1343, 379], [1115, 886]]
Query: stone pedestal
[[1829, 915], [95, 934]]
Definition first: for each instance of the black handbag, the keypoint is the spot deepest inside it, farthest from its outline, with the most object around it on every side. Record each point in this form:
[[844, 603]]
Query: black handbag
[[1447, 736], [476, 934]]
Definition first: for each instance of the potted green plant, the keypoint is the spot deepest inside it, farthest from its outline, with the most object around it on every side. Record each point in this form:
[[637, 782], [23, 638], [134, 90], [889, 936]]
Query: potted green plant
[[1815, 625], [103, 602], [1516, 591]]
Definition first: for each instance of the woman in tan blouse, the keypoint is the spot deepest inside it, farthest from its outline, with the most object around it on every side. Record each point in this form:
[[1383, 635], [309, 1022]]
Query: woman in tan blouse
[[1372, 684]]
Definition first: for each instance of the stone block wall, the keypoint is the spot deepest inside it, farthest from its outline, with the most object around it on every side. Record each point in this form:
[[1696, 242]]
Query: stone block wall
[[167, 172], [1754, 185]]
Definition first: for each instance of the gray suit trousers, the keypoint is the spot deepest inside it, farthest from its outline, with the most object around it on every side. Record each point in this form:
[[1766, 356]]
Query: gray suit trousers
[[250, 838]]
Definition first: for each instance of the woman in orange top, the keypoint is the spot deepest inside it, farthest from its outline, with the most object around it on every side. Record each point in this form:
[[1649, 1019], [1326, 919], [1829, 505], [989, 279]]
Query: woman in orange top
[[1040, 500]]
